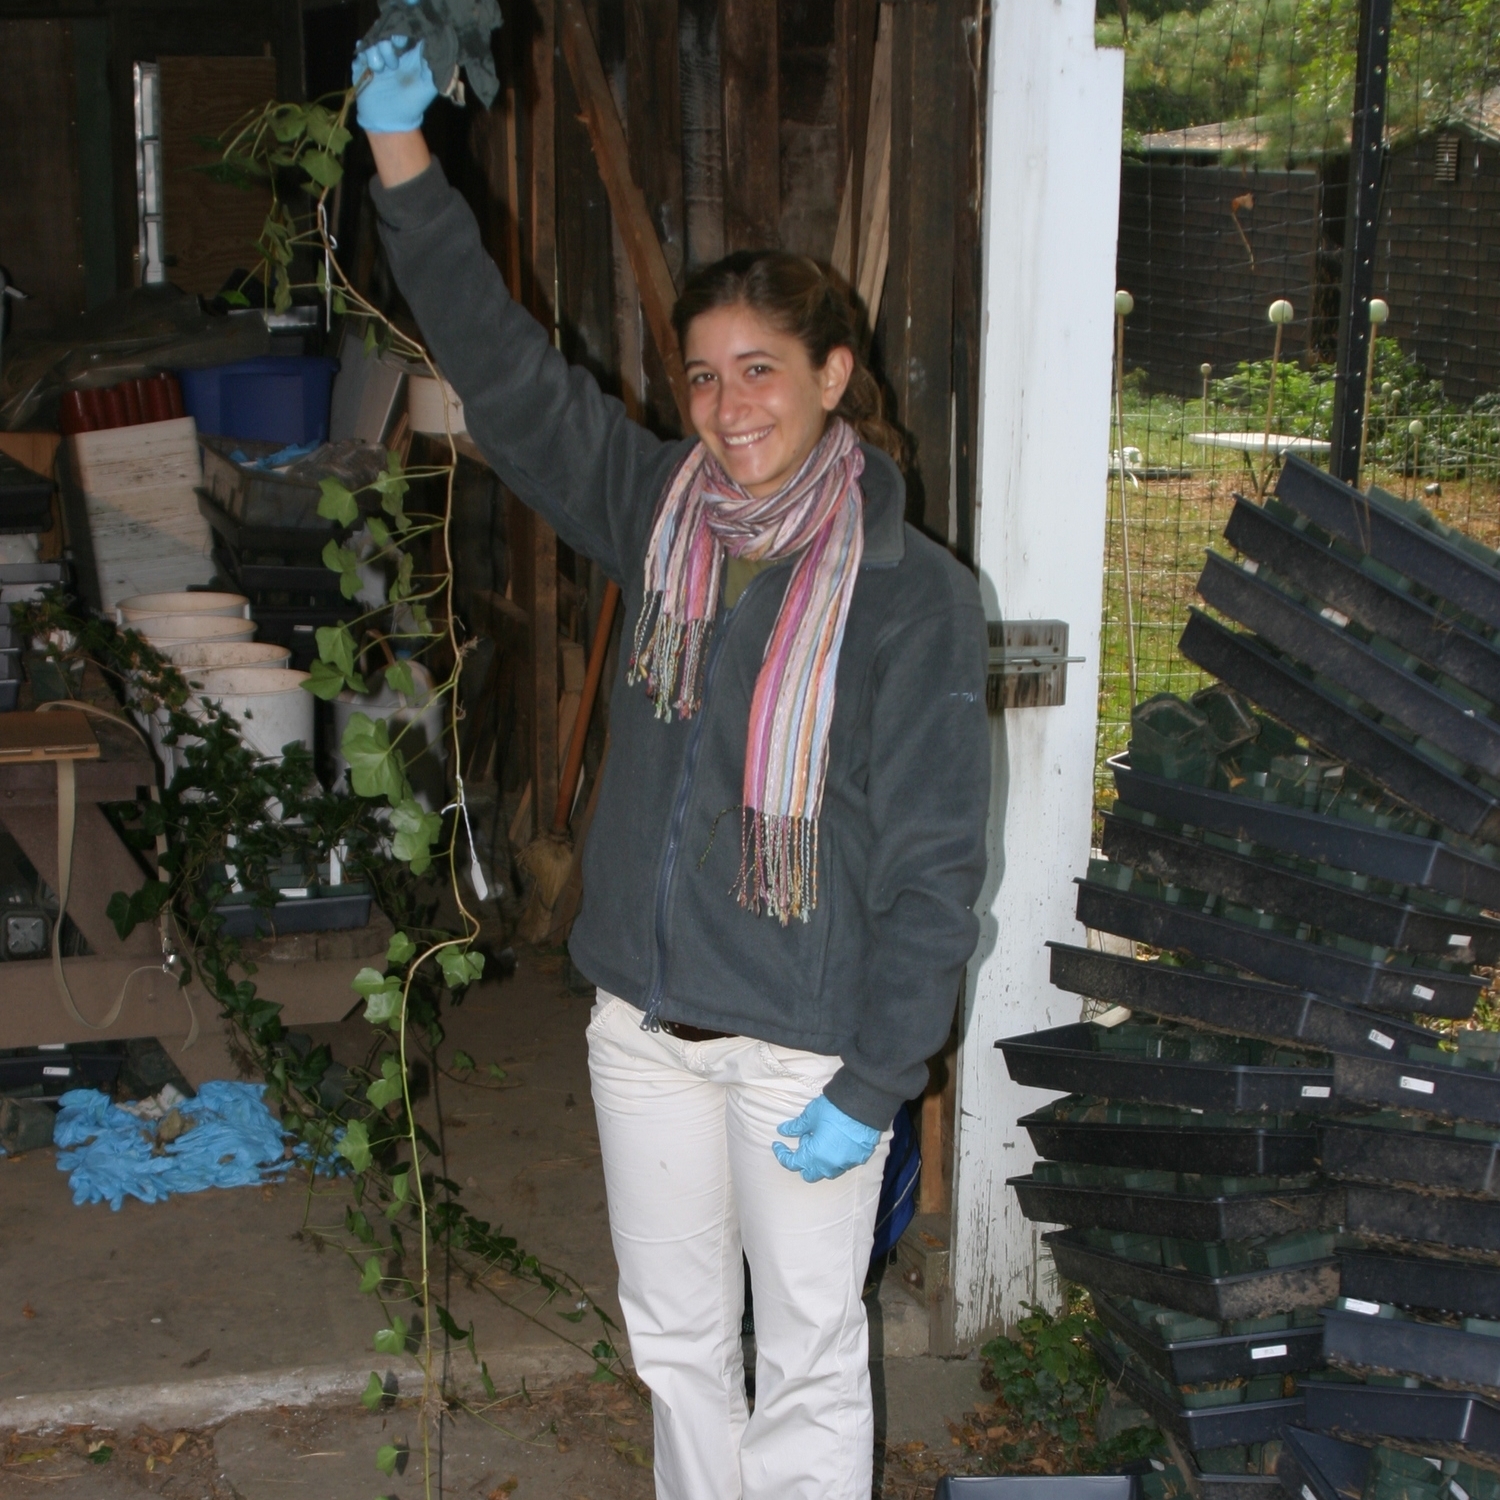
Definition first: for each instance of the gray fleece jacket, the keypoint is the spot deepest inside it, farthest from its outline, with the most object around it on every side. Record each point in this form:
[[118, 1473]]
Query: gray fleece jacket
[[873, 976]]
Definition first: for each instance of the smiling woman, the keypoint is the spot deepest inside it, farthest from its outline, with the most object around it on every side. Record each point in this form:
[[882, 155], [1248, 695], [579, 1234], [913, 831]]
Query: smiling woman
[[787, 987]]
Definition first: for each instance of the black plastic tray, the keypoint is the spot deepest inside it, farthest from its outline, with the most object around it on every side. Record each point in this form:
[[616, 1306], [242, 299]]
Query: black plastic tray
[[1440, 1163], [29, 1070], [1239, 660], [306, 914], [1441, 1418], [25, 497], [1208, 1427], [1315, 1467], [1246, 1294], [1231, 1217], [1393, 1346], [1237, 1356], [1423, 1218], [1064, 1059], [1234, 1486], [1386, 854], [1266, 886], [1339, 581], [1229, 1003], [1308, 637], [1466, 1287], [1229, 1152], [1424, 1088], [1277, 956], [1401, 544]]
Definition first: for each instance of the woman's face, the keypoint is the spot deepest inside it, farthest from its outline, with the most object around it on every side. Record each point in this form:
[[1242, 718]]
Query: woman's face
[[757, 401]]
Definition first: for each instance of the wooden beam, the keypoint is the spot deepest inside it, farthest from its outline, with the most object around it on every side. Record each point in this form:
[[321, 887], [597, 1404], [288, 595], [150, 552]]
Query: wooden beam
[[647, 262], [653, 119], [861, 260], [855, 27], [750, 79]]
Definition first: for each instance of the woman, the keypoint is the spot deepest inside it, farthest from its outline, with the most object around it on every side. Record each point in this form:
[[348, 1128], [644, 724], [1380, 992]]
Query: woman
[[790, 829]]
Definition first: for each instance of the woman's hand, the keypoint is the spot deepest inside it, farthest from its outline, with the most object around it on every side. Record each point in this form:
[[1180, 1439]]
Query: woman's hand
[[395, 88], [831, 1141]]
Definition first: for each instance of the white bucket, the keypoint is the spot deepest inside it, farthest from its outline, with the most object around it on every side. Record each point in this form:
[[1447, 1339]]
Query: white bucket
[[422, 744], [190, 657], [188, 602], [162, 630], [424, 406], [268, 703]]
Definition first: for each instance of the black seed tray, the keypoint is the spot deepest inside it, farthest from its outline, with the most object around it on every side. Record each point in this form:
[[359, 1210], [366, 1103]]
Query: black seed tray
[[29, 1070], [1315, 1467], [1402, 858], [1438, 1163], [1245, 1294], [1466, 1287], [1423, 1218], [1386, 1412], [1306, 636], [1236, 1356], [1393, 1346], [1259, 883], [1447, 1093], [1339, 581], [1232, 1217], [1390, 538], [1277, 956], [1245, 665], [1232, 1152], [1205, 1427], [1233, 1486], [308, 914], [1228, 1003], [1064, 1058]]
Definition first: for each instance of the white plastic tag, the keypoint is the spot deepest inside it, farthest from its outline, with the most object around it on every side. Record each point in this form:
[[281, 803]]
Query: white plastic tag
[[1418, 1085]]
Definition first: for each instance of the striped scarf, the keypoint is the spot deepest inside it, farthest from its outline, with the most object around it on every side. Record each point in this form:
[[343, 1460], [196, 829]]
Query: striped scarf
[[704, 515]]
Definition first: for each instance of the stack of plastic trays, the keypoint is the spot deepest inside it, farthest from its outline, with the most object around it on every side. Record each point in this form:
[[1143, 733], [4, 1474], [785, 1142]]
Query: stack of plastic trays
[[1184, 1165]]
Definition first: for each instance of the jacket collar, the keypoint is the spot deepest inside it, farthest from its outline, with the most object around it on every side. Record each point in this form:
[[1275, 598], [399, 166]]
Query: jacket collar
[[885, 509]]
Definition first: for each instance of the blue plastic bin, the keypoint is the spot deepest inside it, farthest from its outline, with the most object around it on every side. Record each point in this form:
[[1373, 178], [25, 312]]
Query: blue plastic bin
[[277, 398]]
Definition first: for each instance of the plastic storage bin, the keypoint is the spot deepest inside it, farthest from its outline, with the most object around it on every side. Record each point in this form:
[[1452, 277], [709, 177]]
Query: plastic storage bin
[[274, 399]]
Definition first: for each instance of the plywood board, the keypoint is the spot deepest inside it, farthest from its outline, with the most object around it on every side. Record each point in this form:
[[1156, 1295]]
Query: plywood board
[[151, 456], [211, 228]]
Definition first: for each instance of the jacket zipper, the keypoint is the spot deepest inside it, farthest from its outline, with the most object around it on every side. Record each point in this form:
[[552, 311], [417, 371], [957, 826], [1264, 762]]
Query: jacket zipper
[[652, 1019]]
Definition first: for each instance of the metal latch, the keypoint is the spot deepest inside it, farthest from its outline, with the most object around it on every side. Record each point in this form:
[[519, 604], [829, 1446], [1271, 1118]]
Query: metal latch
[[1028, 664]]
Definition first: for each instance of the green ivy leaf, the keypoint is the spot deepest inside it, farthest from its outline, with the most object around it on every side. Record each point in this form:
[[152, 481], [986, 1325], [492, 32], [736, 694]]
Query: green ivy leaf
[[460, 968], [355, 1145], [399, 679], [486, 1381], [373, 1393], [392, 1340], [384, 1005], [235, 298], [325, 170], [372, 343], [368, 1281], [414, 832], [323, 128], [289, 123], [336, 647], [380, 533], [387, 1088], [401, 949], [463, 1062], [497, 1073], [323, 681], [376, 768], [401, 586], [337, 503], [391, 1458]]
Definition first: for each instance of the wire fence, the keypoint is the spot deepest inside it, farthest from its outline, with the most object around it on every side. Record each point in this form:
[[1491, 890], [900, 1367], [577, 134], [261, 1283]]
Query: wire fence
[[1233, 198]]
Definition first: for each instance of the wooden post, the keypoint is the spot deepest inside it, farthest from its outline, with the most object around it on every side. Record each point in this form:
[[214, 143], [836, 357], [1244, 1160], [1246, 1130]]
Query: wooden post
[[534, 544], [919, 319], [854, 24], [749, 77]]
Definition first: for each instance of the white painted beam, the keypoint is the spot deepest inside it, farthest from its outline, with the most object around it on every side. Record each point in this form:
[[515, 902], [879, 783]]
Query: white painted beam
[[1050, 216]]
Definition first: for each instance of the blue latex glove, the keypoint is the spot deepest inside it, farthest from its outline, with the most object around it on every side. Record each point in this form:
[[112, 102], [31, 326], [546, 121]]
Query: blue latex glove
[[831, 1142], [395, 86]]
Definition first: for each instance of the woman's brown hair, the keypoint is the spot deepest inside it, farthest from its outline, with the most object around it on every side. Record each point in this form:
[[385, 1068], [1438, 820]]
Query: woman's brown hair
[[796, 296]]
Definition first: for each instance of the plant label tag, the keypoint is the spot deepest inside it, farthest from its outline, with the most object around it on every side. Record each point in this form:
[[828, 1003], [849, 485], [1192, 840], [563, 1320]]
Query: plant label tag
[[1382, 1040], [1459, 940], [1335, 617], [1423, 991], [1315, 1091], [1268, 1351], [1355, 1304], [57, 1072], [1307, 1493], [1418, 1085]]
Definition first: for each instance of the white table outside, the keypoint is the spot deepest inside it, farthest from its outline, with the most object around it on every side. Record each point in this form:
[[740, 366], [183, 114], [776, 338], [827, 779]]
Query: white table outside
[[1277, 445]]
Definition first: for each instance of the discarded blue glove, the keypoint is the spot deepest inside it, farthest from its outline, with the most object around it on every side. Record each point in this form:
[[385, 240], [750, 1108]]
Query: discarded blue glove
[[395, 86], [830, 1141]]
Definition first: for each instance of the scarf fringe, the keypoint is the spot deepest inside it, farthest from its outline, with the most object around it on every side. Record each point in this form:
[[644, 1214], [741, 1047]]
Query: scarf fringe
[[778, 865], [668, 656]]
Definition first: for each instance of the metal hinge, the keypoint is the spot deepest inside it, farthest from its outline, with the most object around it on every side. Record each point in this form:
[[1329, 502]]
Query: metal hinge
[[1028, 664]]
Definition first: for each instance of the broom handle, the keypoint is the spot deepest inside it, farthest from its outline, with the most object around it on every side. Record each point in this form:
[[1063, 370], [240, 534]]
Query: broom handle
[[567, 785]]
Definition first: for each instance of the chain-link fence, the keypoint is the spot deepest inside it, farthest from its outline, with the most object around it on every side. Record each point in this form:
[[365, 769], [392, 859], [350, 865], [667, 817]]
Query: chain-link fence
[[1233, 198]]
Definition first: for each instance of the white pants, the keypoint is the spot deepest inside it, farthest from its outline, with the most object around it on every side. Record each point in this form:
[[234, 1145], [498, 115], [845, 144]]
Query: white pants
[[686, 1131]]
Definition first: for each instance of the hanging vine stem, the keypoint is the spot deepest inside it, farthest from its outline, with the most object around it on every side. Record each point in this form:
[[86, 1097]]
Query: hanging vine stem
[[216, 810]]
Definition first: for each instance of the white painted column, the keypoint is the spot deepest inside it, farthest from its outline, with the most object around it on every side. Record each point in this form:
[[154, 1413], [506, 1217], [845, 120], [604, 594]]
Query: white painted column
[[1050, 216]]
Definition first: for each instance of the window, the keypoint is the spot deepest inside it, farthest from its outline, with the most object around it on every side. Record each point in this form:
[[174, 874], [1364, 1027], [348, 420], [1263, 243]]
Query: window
[[1446, 168]]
